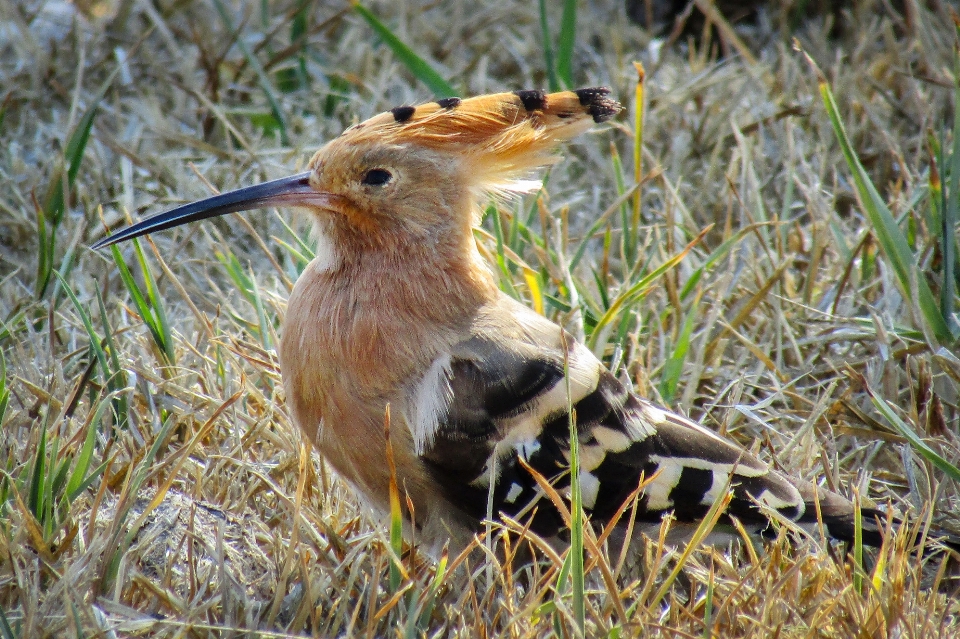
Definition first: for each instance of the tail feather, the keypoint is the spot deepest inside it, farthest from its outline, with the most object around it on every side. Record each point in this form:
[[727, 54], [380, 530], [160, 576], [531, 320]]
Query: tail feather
[[838, 517]]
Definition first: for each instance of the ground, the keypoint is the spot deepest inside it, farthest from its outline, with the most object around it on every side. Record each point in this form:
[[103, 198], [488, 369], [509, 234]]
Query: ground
[[153, 484]]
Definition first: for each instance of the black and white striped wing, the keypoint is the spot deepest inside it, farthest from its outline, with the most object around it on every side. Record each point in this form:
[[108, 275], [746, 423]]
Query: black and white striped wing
[[501, 395]]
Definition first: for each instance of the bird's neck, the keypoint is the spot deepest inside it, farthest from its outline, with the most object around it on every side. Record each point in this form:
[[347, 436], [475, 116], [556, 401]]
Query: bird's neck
[[387, 308], [437, 280]]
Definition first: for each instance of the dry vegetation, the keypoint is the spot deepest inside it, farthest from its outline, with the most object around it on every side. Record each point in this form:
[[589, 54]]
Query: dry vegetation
[[152, 484]]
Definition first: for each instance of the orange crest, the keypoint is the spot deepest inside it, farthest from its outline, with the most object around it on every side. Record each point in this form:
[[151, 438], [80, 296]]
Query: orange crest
[[500, 137]]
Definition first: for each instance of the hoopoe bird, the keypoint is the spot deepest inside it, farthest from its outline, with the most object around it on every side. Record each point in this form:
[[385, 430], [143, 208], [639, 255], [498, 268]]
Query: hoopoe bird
[[399, 308]]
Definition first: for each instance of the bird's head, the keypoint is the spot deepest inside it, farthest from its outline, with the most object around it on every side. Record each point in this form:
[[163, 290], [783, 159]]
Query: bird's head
[[413, 173]]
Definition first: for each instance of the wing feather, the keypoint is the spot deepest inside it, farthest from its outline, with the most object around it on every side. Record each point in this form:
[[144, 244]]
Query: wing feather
[[507, 400], [505, 397]]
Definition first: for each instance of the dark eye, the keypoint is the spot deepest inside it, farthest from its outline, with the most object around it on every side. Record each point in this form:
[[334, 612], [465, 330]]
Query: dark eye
[[377, 177]]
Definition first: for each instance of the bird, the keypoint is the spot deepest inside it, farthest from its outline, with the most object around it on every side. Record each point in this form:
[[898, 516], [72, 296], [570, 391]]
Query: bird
[[399, 311]]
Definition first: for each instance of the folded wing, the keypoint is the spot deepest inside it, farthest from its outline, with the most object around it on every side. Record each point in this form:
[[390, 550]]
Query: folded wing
[[503, 395]]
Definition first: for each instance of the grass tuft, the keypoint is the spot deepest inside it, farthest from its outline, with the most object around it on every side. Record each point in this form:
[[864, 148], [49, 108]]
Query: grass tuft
[[891, 237]]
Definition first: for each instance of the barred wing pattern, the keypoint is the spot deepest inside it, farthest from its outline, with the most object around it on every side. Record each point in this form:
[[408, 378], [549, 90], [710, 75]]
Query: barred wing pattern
[[501, 395]]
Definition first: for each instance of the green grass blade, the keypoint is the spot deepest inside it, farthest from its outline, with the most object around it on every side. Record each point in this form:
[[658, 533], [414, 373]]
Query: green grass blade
[[636, 292], [638, 141], [5, 628], [857, 543], [4, 391], [628, 244], [891, 238], [673, 367], [576, 505], [886, 409], [243, 283], [430, 597], [45, 245], [246, 283], [338, 88], [934, 183], [298, 32], [414, 63], [718, 254], [598, 223], [85, 456], [129, 282], [951, 214], [66, 267], [234, 269], [262, 321], [7, 326], [300, 260], [77, 623], [516, 224], [4, 107], [305, 251], [506, 281], [118, 377], [552, 80], [35, 490], [149, 306], [396, 538], [58, 472], [158, 316], [88, 325], [54, 203], [568, 36], [89, 479], [397, 572]]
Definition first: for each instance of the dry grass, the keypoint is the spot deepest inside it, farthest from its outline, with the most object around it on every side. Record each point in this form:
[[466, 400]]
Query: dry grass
[[198, 510]]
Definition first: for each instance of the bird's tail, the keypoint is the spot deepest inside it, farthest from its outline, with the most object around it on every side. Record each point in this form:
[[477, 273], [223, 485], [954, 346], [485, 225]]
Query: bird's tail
[[838, 517]]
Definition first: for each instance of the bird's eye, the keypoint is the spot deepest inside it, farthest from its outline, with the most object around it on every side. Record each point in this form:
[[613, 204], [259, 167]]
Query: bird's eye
[[376, 177]]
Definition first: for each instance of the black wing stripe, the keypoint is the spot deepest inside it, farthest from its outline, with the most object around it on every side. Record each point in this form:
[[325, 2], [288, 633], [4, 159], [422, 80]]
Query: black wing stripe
[[609, 405], [692, 486]]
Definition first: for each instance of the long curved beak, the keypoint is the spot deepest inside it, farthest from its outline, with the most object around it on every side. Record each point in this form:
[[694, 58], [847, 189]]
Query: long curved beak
[[294, 190]]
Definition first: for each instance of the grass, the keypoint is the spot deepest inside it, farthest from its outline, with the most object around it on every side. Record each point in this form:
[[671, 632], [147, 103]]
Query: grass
[[775, 255]]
